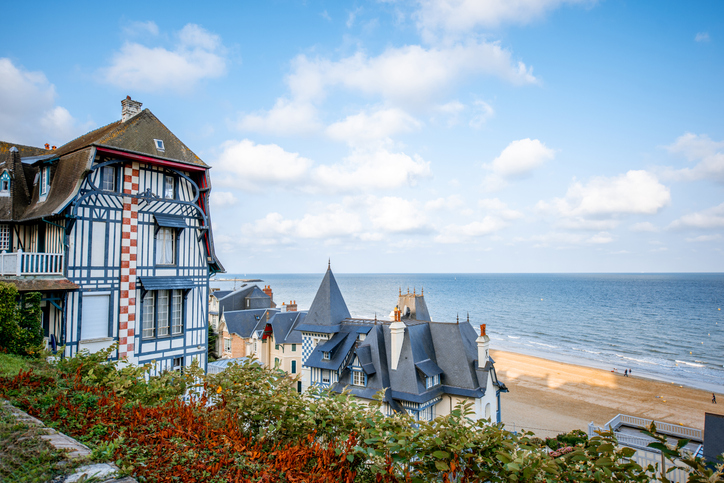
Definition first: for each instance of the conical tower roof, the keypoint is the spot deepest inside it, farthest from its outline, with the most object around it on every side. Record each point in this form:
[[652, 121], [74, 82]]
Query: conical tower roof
[[328, 308]]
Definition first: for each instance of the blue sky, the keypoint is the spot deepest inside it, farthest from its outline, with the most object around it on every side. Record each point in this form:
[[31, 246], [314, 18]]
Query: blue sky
[[408, 136]]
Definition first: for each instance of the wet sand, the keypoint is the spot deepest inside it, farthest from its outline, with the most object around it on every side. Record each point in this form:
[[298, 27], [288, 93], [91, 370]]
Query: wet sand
[[549, 397]]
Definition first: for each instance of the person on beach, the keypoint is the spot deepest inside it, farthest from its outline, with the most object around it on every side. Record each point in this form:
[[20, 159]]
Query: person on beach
[[625, 373], [713, 398]]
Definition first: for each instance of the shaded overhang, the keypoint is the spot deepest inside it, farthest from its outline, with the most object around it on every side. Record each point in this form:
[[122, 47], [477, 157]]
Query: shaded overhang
[[167, 283], [24, 284], [151, 160]]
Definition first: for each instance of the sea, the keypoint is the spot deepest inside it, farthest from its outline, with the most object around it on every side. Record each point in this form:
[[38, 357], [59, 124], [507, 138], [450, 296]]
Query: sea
[[668, 327]]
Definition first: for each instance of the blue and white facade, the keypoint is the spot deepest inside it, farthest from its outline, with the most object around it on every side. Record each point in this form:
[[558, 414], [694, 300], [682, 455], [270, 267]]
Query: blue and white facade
[[124, 210]]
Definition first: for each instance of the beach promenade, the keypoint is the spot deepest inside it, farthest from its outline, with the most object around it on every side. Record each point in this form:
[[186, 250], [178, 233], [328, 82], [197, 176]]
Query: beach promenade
[[550, 397]]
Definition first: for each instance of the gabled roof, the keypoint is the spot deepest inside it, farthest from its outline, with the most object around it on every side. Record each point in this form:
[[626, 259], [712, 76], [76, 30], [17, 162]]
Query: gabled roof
[[23, 150], [244, 322], [328, 308], [136, 135]]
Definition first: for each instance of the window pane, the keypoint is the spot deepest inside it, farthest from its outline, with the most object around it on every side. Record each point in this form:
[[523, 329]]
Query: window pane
[[148, 315], [4, 237], [168, 187], [163, 313], [165, 239], [108, 178], [176, 312]]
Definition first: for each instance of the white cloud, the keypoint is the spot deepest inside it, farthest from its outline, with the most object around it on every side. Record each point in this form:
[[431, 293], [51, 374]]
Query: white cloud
[[140, 28], [334, 222], [396, 215], [197, 54], [494, 205], [453, 16], [517, 160], [28, 114], [352, 16], [708, 153], [705, 238], [411, 74], [578, 223], [452, 202], [600, 238], [285, 118], [702, 37], [483, 112], [220, 199], [710, 218], [636, 192], [379, 169], [251, 166], [645, 226], [364, 128], [567, 239], [462, 233]]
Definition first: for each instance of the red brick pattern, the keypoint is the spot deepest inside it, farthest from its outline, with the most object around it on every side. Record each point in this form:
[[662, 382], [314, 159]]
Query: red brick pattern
[[129, 245]]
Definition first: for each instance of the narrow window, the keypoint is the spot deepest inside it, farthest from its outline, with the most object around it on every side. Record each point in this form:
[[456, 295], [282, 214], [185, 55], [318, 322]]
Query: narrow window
[[4, 237], [178, 364], [108, 178], [227, 345], [163, 320], [325, 376], [276, 362], [5, 184], [294, 347], [168, 187], [276, 346], [294, 367], [149, 315], [177, 325], [159, 144], [165, 246], [45, 181]]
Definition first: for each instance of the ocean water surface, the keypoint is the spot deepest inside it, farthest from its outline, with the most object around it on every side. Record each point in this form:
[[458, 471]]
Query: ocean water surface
[[665, 326]]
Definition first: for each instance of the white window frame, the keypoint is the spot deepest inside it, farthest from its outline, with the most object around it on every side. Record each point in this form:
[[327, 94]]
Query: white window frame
[[163, 314], [4, 236], [326, 374], [165, 246], [5, 184], [159, 144], [44, 180], [358, 378], [177, 364], [227, 344]]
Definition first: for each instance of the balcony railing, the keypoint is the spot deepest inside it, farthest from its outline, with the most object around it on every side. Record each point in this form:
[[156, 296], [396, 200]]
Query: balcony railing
[[30, 263]]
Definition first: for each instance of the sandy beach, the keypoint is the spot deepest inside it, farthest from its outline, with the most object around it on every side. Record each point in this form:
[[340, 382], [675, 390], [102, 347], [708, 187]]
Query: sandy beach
[[549, 397]]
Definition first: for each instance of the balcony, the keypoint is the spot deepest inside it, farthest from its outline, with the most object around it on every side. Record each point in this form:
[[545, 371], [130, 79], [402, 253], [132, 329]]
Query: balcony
[[30, 263]]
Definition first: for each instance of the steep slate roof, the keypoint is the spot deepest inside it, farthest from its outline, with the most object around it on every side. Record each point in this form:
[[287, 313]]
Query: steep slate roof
[[447, 349], [136, 135], [244, 322], [283, 326], [24, 151], [237, 300], [328, 308]]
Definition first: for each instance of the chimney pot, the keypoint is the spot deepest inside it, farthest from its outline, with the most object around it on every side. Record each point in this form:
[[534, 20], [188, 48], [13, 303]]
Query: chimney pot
[[482, 330], [53, 148], [47, 146]]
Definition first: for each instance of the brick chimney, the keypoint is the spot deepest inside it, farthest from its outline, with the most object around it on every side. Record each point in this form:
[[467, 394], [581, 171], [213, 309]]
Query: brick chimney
[[483, 343], [292, 306], [129, 108], [267, 290]]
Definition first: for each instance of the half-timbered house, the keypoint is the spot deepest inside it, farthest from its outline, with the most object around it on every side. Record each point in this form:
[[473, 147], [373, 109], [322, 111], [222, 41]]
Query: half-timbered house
[[114, 229]]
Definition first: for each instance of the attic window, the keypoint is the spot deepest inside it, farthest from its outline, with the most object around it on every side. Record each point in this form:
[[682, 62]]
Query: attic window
[[325, 356], [44, 180], [159, 144], [5, 184]]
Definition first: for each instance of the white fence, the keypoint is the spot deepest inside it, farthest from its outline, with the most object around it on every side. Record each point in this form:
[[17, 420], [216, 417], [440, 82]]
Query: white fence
[[31, 263]]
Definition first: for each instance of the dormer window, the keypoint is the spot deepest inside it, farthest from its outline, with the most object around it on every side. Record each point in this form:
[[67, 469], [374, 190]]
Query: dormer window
[[159, 144], [432, 381], [44, 180], [359, 378], [325, 356], [5, 184]]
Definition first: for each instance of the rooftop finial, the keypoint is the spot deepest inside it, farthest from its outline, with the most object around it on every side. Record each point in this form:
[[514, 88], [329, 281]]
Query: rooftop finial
[[422, 291], [329, 264], [458, 319], [400, 291], [375, 318], [413, 290], [468, 317]]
